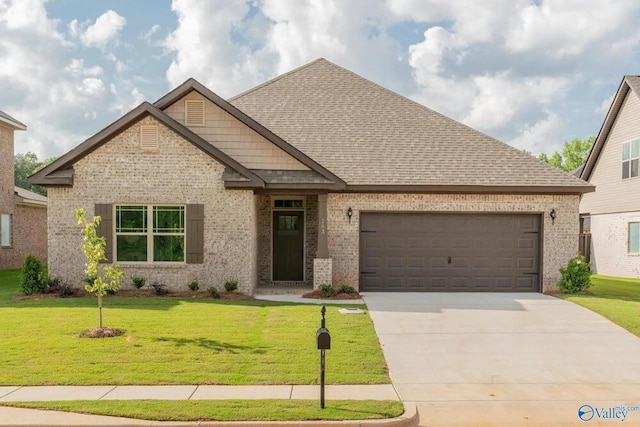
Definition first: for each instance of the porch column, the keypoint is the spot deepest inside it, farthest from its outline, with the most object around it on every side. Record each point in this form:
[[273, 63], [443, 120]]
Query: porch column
[[322, 264], [323, 246]]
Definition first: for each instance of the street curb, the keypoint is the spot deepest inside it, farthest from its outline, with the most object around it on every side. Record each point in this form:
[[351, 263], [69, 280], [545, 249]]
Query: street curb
[[409, 418]]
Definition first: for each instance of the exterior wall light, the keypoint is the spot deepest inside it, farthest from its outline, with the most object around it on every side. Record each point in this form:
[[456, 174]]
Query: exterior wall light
[[553, 215], [349, 214]]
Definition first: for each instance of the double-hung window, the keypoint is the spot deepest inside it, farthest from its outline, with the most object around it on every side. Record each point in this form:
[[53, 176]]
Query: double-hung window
[[630, 159], [634, 238], [150, 233], [5, 230]]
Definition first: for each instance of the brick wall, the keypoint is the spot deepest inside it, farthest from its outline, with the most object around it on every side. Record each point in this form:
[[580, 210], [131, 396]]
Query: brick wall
[[178, 173], [560, 240], [609, 242], [29, 236]]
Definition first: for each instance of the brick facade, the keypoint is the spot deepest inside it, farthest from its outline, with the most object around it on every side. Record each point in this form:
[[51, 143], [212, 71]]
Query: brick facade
[[559, 240], [29, 223], [119, 172], [609, 245]]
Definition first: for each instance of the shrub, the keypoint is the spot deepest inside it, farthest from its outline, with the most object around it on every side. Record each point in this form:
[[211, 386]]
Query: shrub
[[66, 291], [32, 278], [327, 290], [138, 282], [159, 288], [576, 276], [347, 289], [231, 285], [194, 286], [213, 293], [53, 283]]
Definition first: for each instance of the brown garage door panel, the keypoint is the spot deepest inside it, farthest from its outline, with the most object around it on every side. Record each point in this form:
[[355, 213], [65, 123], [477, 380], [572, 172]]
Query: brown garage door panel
[[449, 252]]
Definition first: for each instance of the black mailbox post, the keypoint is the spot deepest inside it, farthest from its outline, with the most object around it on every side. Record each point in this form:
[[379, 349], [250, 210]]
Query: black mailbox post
[[323, 342]]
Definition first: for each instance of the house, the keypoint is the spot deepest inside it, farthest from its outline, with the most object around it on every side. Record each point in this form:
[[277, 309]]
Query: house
[[612, 213], [318, 176], [23, 214]]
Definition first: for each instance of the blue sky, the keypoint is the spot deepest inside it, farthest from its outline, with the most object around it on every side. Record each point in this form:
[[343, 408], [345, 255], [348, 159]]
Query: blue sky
[[530, 73]]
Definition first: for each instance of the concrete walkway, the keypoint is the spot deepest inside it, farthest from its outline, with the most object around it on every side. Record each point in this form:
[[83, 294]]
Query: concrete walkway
[[196, 392], [505, 359]]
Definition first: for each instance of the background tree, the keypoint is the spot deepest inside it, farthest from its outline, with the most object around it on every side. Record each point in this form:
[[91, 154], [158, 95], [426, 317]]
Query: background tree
[[573, 155], [24, 166]]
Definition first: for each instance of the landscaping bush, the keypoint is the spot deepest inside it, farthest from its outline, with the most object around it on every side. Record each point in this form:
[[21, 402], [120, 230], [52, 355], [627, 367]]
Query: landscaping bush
[[32, 277], [138, 282], [213, 293], [231, 285], [159, 288], [327, 290], [194, 286], [576, 276], [66, 291], [347, 289], [53, 283]]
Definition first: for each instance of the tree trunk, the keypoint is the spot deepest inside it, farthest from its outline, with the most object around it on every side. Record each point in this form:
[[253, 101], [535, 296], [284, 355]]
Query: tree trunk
[[100, 309]]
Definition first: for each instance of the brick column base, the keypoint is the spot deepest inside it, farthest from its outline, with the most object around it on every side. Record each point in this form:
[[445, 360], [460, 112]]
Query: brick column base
[[322, 272]]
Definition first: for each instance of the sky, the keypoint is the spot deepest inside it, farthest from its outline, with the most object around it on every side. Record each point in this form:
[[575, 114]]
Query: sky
[[531, 73]]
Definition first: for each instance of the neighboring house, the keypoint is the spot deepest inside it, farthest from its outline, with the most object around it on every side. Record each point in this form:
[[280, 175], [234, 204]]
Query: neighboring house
[[23, 214], [317, 176], [612, 213]]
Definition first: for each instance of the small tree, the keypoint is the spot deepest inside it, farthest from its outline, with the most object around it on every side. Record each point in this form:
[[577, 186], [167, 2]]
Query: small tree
[[103, 279]]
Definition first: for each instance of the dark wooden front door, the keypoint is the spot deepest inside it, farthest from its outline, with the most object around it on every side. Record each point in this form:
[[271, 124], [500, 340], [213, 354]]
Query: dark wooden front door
[[288, 246]]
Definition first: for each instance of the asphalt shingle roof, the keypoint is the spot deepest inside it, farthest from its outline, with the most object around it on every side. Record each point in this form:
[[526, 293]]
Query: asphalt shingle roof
[[369, 135]]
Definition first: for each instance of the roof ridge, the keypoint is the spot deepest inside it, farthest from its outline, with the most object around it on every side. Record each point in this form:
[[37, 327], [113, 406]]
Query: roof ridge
[[278, 77]]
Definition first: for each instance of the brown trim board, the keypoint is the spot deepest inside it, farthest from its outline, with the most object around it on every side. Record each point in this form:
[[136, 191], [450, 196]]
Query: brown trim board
[[470, 189]]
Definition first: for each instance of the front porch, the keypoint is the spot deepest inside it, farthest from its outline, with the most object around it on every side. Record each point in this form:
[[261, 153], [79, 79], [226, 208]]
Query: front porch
[[292, 249]]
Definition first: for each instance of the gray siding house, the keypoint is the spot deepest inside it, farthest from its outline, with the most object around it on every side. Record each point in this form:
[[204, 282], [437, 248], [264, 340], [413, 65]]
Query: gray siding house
[[318, 176], [612, 213]]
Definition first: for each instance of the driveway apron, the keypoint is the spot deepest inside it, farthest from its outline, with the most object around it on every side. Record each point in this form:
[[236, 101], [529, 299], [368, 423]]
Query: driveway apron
[[506, 359]]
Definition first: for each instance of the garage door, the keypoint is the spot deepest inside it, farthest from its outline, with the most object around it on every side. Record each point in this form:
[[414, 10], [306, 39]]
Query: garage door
[[449, 252]]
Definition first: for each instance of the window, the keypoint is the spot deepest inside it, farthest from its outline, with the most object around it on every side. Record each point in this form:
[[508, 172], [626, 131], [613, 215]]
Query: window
[[5, 230], [288, 204], [634, 237], [150, 233], [630, 159]]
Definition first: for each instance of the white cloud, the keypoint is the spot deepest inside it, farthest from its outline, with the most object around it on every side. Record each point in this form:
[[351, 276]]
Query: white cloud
[[603, 108], [541, 137], [104, 30]]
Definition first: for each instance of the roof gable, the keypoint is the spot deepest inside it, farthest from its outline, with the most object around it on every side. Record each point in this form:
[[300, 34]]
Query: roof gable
[[630, 85], [374, 138], [11, 122], [60, 172], [193, 85]]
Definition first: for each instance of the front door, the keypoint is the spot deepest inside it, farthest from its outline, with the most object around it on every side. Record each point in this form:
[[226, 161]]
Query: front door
[[288, 246]]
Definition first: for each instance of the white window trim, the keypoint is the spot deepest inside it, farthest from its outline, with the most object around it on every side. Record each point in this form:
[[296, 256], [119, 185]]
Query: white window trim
[[630, 159], [149, 234], [2, 244]]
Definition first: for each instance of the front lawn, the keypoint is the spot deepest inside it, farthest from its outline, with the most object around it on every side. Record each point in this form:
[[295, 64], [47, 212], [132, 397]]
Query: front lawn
[[616, 299], [179, 341], [228, 410]]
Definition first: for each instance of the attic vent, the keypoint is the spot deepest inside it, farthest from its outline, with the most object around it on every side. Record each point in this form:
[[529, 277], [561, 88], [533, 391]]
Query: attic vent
[[194, 113], [149, 137]]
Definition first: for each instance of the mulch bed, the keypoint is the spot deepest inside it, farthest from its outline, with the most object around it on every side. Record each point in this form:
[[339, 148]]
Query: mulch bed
[[317, 295], [101, 333], [137, 293]]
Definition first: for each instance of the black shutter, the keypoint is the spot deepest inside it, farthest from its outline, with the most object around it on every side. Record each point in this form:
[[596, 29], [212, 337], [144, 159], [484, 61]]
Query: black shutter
[[105, 228], [195, 234]]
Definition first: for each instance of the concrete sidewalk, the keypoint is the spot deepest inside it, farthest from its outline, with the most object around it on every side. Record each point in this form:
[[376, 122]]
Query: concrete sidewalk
[[196, 392]]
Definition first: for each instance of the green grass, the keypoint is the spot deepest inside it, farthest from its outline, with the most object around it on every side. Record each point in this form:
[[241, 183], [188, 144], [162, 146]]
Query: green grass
[[227, 410], [617, 299], [179, 341]]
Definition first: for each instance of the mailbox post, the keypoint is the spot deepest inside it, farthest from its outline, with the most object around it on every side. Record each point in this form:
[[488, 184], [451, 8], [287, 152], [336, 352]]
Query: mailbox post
[[323, 341]]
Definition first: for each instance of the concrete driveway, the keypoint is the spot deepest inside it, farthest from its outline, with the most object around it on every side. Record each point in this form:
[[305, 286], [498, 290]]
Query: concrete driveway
[[507, 359]]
